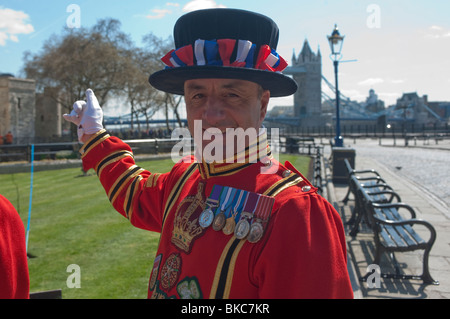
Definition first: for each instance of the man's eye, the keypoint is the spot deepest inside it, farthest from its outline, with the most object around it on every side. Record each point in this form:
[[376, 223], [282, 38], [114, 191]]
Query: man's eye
[[197, 96]]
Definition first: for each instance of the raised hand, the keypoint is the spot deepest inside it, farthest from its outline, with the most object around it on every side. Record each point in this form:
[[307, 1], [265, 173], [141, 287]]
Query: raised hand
[[86, 115]]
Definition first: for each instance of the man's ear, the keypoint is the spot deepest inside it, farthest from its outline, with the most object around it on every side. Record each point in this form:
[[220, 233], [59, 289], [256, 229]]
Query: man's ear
[[265, 98]]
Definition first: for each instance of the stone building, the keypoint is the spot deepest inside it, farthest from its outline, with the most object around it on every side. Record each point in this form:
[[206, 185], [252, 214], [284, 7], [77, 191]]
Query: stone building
[[17, 108], [49, 122], [373, 104], [308, 98], [306, 69], [411, 107]]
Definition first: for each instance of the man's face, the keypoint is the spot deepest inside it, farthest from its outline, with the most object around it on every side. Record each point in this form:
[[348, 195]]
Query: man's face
[[225, 103]]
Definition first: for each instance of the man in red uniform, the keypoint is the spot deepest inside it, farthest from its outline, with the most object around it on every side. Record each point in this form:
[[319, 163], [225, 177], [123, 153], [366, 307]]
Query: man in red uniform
[[14, 277], [241, 227]]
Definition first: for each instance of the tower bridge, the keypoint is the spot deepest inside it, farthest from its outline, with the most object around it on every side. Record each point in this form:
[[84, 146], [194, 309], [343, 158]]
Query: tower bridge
[[313, 107]]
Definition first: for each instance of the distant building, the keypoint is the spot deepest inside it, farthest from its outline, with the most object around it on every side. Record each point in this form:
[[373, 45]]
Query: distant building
[[373, 104], [308, 98], [441, 109], [49, 122], [17, 108], [306, 69], [31, 117], [411, 107], [281, 111]]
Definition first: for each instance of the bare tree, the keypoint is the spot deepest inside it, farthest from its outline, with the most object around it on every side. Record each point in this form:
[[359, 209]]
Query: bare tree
[[142, 97], [104, 59], [171, 103], [157, 48], [79, 59]]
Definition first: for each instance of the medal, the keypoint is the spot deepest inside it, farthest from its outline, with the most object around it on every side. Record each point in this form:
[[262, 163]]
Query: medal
[[230, 224], [243, 226], [261, 217], [256, 232], [207, 216], [231, 221], [226, 200], [219, 221]]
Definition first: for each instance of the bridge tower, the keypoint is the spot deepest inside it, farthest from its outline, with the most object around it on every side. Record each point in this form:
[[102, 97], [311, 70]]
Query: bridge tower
[[308, 98]]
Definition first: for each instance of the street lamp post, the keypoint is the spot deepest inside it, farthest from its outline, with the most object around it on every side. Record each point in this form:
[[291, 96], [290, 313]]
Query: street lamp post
[[336, 41], [339, 153]]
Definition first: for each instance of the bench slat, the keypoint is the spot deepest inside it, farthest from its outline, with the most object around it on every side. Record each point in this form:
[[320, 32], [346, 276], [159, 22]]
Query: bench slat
[[406, 230], [393, 214], [414, 235], [399, 236], [387, 238], [396, 237]]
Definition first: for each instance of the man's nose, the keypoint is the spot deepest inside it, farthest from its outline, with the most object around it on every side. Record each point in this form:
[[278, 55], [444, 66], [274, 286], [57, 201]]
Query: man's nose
[[213, 112]]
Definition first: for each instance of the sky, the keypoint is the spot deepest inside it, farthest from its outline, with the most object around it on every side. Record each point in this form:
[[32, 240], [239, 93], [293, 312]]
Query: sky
[[392, 46]]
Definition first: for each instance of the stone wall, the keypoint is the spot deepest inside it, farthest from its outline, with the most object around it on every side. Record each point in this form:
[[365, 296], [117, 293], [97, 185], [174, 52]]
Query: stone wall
[[17, 108]]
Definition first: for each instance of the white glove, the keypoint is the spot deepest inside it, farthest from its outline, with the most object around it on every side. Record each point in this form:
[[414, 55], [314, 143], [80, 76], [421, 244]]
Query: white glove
[[88, 116]]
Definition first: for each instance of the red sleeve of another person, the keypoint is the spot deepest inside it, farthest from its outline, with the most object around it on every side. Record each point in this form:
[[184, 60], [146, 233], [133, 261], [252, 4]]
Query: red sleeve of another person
[[14, 276]]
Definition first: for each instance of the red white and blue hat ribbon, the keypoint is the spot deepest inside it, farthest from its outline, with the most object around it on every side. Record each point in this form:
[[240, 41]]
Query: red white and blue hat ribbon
[[219, 52]]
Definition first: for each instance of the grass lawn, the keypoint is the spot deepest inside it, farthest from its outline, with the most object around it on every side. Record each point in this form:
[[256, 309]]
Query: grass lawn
[[72, 222]]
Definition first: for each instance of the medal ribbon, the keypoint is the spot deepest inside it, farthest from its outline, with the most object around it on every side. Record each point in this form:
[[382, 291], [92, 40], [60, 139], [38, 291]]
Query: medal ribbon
[[264, 207], [215, 194], [234, 202], [239, 202], [252, 201], [225, 198]]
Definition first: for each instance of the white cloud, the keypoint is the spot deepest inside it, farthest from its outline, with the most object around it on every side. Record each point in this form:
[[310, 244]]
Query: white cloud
[[190, 6], [371, 81], [436, 27], [161, 13], [158, 14], [437, 32], [201, 4], [13, 23]]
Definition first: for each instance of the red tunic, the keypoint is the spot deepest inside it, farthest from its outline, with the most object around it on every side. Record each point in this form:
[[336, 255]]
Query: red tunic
[[301, 255], [14, 277]]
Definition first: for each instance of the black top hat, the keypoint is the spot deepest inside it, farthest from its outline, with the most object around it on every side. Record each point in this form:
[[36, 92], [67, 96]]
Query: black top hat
[[224, 43]]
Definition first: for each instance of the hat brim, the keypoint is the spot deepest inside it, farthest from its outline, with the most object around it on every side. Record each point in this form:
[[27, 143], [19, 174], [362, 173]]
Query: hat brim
[[172, 80]]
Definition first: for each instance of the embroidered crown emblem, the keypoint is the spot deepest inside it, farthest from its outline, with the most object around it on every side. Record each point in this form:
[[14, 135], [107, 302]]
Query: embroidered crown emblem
[[186, 227]]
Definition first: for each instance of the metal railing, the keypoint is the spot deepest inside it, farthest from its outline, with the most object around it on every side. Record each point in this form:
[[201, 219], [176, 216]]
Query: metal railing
[[70, 150]]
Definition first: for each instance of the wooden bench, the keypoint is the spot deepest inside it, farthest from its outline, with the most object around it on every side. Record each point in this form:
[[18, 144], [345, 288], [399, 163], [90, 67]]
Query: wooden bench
[[394, 233], [380, 193], [377, 187], [372, 178]]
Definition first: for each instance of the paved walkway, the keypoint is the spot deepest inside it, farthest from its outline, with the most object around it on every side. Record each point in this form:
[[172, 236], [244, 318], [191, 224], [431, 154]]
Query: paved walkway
[[428, 206]]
